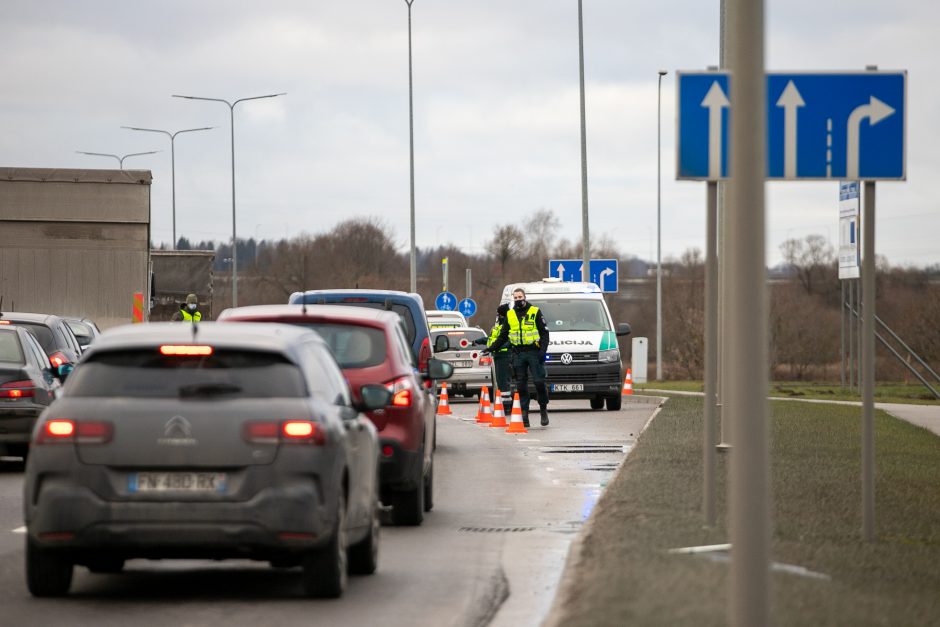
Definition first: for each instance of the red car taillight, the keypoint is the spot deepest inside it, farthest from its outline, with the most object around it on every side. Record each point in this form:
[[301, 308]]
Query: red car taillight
[[57, 359], [424, 356], [486, 360], [288, 431], [64, 431], [402, 392], [17, 389]]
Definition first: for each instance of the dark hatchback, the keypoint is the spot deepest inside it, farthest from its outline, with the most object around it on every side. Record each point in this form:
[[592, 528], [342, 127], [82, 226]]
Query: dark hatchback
[[53, 333], [28, 384]]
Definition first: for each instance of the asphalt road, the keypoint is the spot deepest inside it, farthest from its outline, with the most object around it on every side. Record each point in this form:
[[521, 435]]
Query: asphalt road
[[492, 551]]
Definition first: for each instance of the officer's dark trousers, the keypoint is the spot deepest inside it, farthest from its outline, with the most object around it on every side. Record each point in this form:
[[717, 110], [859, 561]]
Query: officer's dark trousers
[[524, 362], [501, 363]]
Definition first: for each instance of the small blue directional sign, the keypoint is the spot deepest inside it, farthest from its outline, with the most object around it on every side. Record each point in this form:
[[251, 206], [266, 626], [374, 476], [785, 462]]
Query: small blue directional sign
[[848, 126], [445, 301], [603, 271], [467, 307]]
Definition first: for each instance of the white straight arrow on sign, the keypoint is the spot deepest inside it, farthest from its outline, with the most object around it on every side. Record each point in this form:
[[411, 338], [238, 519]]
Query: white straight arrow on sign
[[875, 111], [715, 100], [561, 271], [791, 101]]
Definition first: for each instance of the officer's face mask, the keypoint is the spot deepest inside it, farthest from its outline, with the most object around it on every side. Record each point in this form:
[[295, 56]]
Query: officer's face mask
[[519, 303], [191, 306]]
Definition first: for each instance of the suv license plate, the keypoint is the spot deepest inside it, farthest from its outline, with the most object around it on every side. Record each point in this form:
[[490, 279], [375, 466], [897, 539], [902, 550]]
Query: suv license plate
[[568, 387], [176, 482], [462, 364]]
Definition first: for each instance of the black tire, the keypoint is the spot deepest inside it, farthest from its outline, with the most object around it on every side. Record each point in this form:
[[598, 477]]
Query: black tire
[[429, 488], [364, 555], [105, 565], [47, 574], [597, 403], [408, 506], [614, 403], [326, 570]]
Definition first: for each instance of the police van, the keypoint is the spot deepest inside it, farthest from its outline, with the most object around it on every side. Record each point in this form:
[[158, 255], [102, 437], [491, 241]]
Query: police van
[[583, 359]]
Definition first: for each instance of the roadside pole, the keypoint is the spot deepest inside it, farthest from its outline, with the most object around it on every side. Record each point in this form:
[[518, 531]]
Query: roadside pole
[[711, 354], [868, 365], [749, 518]]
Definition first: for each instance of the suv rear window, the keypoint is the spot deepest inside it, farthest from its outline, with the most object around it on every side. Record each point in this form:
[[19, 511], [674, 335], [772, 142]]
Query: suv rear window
[[10, 351], [352, 346], [402, 310], [145, 373]]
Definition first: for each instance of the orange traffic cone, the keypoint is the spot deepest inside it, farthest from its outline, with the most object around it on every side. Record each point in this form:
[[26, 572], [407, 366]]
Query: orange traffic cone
[[443, 408], [628, 383], [485, 413], [499, 416], [516, 424]]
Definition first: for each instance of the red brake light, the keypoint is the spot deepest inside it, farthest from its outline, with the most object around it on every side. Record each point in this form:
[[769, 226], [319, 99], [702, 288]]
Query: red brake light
[[17, 389], [185, 349], [5, 322], [486, 360], [57, 359], [401, 390], [94, 432], [353, 299], [261, 432], [424, 354], [298, 429], [290, 431], [61, 430]]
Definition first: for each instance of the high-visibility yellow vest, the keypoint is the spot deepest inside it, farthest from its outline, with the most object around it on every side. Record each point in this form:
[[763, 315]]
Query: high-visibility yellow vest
[[188, 317], [523, 332], [497, 329]]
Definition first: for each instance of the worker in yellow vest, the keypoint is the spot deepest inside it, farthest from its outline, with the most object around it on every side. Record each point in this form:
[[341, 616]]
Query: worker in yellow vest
[[189, 311], [527, 335]]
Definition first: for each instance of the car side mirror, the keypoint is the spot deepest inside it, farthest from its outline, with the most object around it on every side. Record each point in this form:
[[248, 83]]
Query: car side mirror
[[374, 396], [438, 369], [64, 371], [441, 344], [623, 329]]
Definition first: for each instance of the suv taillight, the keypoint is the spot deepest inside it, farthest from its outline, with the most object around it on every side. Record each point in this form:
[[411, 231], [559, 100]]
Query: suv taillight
[[17, 389], [402, 391], [288, 431], [424, 356], [64, 431]]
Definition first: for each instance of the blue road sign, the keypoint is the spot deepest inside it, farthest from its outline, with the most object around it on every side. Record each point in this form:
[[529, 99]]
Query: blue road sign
[[445, 301], [467, 307], [604, 272], [848, 126]]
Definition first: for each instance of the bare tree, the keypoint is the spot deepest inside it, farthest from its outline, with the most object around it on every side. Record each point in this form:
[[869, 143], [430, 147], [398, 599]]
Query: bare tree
[[813, 259], [507, 244]]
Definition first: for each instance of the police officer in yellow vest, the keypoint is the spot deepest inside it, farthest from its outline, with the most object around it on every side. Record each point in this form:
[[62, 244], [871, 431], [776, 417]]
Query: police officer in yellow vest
[[527, 335], [501, 357], [189, 311]]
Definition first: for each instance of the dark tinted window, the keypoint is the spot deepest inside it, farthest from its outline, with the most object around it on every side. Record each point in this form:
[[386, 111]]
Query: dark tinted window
[[224, 374], [10, 351], [455, 336], [352, 346], [402, 310], [41, 333]]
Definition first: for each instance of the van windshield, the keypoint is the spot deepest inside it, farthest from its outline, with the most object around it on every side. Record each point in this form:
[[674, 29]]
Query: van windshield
[[573, 314]]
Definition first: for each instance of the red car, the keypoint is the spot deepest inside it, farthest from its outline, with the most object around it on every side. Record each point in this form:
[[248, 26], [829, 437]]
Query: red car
[[370, 347]]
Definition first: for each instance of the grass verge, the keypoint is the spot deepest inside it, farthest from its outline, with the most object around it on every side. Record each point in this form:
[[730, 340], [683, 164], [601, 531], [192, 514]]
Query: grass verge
[[625, 576], [884, 392]]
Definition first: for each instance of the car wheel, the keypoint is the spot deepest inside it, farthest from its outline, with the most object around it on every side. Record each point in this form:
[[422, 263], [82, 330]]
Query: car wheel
[[614, 403], [597, 403], [47, 573], [325, 570], [408, 506], [364, 555], [106, 565], [429, 488]]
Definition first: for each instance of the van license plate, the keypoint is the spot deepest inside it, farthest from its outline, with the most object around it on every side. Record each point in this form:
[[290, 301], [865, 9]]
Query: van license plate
[[176, 482], [568, 387]]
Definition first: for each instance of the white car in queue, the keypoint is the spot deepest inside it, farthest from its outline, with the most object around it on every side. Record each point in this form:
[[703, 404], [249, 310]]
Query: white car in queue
[[472, 369]]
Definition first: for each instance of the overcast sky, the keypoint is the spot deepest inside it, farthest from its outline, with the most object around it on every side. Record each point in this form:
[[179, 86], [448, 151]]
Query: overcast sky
[[496, 111]]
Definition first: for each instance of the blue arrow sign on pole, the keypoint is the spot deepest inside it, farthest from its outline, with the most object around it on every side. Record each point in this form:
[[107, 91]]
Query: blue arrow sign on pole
[[604, 272], [467, 307], [827, 126], [445, 301]]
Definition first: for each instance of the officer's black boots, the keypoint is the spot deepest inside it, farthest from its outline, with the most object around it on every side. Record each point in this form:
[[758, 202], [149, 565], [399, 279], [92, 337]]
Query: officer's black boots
[[544, 412]]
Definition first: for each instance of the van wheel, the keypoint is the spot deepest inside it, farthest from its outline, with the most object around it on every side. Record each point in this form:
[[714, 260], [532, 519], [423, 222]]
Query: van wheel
[[48, 574], [614, 403], [325, 570], [597, 403]]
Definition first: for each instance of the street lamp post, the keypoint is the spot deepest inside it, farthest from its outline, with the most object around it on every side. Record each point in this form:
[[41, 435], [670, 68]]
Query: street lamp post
[[119, 159], [585, 233], [411, 148], [659, 236], [172, 137], [231, 108]]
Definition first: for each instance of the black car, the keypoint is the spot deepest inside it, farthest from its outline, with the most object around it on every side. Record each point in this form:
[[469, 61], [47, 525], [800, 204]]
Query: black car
[[28, 384], [85, 330], [53, 333]]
